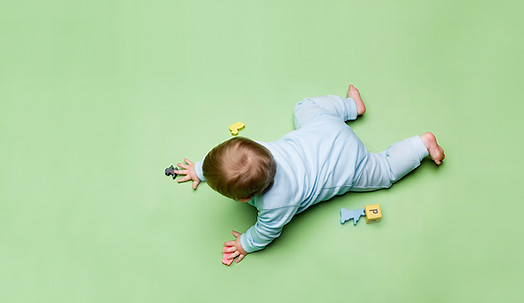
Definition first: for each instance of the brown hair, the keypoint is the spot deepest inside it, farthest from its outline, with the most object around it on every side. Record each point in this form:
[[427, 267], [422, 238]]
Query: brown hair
[[239, 168]]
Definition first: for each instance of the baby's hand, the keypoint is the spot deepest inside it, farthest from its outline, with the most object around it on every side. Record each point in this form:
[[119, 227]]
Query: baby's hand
[[189, 172], [234, 248]]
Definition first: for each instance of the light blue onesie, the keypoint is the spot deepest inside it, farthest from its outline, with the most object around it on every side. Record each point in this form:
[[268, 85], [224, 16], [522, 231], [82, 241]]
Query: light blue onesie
[[322, 158]]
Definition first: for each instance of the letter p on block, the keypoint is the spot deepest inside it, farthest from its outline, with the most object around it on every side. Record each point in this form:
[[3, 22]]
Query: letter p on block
[[373, 213]]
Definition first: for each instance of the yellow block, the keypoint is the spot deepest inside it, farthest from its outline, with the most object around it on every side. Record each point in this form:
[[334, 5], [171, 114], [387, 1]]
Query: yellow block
[[234, 128], [373, 213]]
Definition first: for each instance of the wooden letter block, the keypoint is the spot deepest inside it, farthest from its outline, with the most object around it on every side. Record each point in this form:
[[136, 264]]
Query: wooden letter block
[[373, 213]]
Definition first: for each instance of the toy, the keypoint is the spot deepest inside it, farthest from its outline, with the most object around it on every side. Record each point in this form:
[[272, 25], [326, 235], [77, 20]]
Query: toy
[[234, 128], [225, 254], [373, 213], [346, 215], [225, 260], [171, 170]]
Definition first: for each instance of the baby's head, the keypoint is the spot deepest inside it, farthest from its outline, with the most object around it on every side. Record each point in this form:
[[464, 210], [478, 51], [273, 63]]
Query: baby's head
[[239, 168]]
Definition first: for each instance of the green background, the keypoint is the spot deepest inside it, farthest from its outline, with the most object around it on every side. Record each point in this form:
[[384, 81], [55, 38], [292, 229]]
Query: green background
[[98, 97]]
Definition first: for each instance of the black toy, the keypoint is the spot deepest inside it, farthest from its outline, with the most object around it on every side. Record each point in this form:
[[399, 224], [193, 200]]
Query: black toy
[[171, 171]]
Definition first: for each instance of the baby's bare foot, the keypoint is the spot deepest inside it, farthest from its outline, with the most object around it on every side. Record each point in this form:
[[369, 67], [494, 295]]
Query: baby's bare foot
[[436, 153], [355, 95]]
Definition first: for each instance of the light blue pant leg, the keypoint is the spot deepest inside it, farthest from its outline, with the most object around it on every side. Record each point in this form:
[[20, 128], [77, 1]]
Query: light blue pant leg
[[383, 169]]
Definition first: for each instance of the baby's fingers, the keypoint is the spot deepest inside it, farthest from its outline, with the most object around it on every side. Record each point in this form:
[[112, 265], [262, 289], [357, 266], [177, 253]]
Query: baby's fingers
[[184, 179], [195, 184], [240, 257], [229, 249], [232, 255], [184, 166], [182, 172], [230, 243]]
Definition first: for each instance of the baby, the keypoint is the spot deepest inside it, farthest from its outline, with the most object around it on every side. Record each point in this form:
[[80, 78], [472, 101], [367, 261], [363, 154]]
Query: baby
[[322, 158]]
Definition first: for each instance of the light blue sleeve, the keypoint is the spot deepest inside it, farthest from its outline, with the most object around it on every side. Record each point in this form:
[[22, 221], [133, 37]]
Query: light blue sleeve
[[268, 227], [309, 109], [198, 170]]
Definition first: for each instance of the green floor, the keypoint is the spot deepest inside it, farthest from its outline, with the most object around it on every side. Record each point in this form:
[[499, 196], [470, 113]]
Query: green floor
[[98, 97]]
